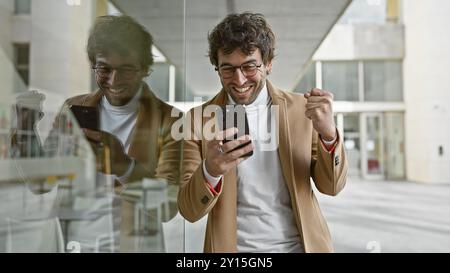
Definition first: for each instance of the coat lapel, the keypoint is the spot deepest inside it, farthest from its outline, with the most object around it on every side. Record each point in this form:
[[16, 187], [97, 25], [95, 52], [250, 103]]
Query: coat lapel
[[144, 144], [284, 150]]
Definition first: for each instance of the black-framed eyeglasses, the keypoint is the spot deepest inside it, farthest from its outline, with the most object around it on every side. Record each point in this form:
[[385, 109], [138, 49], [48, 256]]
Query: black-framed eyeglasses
[[104, 71], [248, 69]]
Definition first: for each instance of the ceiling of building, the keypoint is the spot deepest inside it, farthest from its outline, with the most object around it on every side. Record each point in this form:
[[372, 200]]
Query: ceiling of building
[[180, 31]]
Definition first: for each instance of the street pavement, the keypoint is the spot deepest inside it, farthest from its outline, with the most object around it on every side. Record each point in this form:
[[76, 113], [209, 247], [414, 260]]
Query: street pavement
[[389, 216]]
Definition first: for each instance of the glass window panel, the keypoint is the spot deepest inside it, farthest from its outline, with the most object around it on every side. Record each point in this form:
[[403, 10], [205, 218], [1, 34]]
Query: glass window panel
[[49, 170], [352, 143], [341, 78], [395, 145], [22, 54], [374, 145], [22, 61], [22, 7], [383, 81]]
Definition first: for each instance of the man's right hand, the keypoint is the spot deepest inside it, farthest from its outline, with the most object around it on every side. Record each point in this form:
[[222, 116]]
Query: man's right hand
[[219, 159], [120, 161]]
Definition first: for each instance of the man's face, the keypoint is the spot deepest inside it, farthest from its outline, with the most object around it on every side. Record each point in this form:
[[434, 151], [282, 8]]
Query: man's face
[[243, 89], [118, 76]]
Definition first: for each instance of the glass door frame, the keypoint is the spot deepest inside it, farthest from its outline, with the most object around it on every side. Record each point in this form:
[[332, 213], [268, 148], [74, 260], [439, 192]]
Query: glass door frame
[[363, 144], [340, 124]]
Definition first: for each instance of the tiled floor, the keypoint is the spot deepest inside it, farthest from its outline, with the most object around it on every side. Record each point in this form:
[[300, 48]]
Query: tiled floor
[[383, 216], [389, 216]]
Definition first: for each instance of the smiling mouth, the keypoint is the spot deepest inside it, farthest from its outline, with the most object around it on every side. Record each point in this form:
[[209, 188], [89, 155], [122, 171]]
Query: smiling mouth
[[116, 91], [242, 90]]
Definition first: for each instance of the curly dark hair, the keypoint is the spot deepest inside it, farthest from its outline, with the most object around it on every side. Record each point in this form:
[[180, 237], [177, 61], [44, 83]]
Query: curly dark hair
[[121, 34], [245, 31]]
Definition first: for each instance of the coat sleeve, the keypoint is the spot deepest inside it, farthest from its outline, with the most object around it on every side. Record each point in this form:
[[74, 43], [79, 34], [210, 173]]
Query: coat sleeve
[[195, 198], [328, 169]]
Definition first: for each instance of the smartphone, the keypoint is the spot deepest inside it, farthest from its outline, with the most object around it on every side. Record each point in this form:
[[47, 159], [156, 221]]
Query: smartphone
[[86, 116], [235, 116]]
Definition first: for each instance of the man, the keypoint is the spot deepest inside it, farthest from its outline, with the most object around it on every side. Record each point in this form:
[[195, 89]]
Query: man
[[263, 203]]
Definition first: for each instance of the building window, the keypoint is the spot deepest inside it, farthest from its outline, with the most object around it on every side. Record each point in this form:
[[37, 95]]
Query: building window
[[383, 81], [341, 78], [22, 61], [22, 6], [308, 81]]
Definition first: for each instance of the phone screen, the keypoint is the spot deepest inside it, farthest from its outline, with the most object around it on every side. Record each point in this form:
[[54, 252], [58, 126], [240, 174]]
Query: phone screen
[[235, 116], [86, 116]]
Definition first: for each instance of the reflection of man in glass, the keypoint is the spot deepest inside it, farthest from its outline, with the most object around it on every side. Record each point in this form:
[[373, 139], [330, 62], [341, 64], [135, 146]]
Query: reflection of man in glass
[[133, 141], [134, 123], [263, 203]]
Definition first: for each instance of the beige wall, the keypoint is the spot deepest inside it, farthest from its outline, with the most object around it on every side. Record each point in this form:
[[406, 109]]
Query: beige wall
[[427, 89]]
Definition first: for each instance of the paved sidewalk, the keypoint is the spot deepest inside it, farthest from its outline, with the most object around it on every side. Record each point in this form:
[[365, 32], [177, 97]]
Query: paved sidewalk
[[389, 216]]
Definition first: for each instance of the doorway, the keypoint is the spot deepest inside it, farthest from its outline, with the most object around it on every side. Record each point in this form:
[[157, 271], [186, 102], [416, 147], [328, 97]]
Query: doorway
[[348, 124], [372, 143]]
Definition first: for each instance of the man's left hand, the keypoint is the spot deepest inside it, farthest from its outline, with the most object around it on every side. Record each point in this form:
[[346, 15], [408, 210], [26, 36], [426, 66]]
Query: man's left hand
[[319, 109], [119, 160]]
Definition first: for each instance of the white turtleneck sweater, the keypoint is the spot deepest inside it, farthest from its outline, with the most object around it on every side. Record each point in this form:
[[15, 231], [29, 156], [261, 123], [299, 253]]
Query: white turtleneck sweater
[[265, 220], [120, 120]]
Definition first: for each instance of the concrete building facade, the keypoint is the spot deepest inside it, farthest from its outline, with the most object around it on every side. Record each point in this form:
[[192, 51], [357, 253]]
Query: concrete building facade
[[386, 63]]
